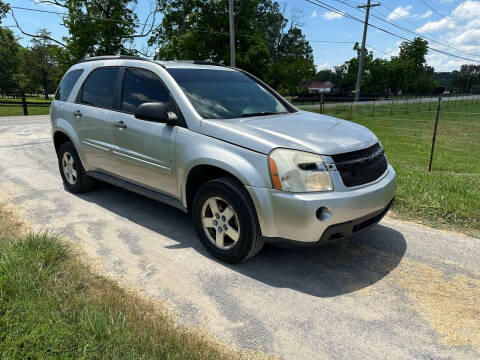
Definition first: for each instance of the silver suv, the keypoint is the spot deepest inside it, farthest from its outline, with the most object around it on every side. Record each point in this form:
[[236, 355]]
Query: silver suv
[[222, 146]]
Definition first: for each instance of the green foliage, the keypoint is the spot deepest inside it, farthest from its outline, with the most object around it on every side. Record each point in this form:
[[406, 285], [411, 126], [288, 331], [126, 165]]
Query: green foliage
[[266, 44], [443, 78], [334, 77], [407, 73], [39, 65], [99, 27], [3, 10], [467, 79], [9, 52]]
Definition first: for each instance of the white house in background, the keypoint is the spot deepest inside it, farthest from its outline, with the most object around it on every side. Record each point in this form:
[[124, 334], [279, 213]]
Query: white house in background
[[324, 87]]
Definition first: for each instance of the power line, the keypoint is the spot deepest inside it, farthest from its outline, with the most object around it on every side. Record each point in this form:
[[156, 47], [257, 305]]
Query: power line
[[343, 13], [195, 30], [386, 20], [440, 41], [436, 12], [383, 52]]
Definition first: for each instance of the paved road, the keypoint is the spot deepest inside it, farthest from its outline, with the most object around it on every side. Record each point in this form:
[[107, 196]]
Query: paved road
[[398, 291]]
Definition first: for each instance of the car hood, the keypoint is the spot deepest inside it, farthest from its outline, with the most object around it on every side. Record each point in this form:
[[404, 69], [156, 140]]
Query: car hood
[[302, 130]]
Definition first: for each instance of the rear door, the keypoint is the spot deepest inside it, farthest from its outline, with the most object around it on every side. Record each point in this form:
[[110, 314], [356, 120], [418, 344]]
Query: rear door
[[92, 115], [144, 151]]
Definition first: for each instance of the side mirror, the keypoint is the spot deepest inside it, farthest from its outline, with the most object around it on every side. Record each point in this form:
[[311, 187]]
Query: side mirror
[[156, 112]]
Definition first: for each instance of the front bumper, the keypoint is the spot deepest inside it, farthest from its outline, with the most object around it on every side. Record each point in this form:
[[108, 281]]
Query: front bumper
[[297, 218]]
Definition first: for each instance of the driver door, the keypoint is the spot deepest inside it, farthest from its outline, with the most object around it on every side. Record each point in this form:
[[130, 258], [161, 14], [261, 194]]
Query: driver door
[[144, 151]]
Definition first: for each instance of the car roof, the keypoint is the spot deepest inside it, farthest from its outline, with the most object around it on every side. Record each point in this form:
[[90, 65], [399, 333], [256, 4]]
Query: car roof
[[190, 64], [167, 64]]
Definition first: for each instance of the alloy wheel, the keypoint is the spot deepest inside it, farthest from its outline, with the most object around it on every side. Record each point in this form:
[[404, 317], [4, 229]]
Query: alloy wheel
[[69, 168], [220, 223]]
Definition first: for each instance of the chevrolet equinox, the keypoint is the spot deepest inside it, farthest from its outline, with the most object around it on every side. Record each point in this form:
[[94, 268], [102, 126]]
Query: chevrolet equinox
[[221, 145]]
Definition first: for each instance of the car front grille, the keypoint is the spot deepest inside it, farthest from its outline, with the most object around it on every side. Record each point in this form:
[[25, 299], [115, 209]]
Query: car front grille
[[361, 166]]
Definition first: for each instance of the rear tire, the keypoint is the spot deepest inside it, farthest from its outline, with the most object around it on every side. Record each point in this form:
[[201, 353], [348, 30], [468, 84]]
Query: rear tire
[[225, 220], [71, 169]]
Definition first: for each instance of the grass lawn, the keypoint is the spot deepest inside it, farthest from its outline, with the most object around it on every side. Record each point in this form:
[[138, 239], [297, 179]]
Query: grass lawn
[[18, 110], [52, 306], [449, 196]]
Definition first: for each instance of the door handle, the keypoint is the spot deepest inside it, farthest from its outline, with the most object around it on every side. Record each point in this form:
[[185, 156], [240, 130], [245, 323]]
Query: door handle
[[77, 114], [120, 125]]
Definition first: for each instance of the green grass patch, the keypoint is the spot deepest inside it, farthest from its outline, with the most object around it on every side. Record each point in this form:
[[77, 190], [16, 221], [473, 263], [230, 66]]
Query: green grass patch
[[52, 306], [447, 197], [17, 109]]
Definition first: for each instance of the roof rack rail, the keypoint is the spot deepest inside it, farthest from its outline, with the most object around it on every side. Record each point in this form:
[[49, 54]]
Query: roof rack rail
[[112, 57], [203, 62]]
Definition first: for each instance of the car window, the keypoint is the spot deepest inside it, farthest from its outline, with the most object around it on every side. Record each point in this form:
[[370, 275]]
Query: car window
[[67, 84], [99, 88], [225, 94], [141, 86]]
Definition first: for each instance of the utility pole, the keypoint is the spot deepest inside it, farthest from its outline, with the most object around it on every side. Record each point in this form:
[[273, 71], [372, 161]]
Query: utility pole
[[362, 51], [232, 33]]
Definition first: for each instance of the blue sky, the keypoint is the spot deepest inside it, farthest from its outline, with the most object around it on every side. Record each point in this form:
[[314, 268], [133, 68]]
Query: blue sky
[[454, 24]]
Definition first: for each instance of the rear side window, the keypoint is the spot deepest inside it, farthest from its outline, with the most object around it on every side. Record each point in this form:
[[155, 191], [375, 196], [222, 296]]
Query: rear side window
[[98, 90], [141, 86], [67, 84]]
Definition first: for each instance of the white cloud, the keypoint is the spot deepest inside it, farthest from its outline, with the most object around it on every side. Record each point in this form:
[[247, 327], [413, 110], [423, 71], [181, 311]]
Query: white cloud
[[426, 14], [467, 10], [324, 66], [314, 14], [440, 25], [331, 15], [400, 12], [460, 29], [470, 37]]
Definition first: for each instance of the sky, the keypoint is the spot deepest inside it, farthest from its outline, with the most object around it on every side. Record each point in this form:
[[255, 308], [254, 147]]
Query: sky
[[451, 26]]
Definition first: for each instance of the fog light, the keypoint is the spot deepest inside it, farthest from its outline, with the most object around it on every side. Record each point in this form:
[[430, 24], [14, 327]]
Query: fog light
[[323, 213]]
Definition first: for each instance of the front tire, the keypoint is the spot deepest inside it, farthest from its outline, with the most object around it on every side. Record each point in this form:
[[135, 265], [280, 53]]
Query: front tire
[[71, 169], [225, 220]]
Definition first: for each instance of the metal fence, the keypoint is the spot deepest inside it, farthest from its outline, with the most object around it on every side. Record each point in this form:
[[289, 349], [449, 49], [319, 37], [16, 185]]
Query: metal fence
[[416, 123]]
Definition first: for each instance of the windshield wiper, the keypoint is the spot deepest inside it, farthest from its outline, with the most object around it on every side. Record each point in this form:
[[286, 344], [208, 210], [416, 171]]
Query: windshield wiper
[[263, 113]]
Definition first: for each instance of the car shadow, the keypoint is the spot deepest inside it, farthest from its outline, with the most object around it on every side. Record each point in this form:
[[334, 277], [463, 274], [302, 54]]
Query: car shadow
[[323, 271]]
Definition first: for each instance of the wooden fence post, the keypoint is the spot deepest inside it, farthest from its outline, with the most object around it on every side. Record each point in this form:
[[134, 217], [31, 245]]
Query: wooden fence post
[[24, 105], [434, 134]]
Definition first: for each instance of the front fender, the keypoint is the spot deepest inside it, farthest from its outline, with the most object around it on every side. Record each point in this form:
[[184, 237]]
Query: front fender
[[64, 126], [194, 149]]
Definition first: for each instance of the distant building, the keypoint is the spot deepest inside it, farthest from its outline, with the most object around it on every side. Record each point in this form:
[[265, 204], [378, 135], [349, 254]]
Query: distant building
[[325, 87]]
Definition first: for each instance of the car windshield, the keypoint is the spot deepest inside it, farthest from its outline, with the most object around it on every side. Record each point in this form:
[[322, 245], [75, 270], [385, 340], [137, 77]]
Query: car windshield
[[226, 94]]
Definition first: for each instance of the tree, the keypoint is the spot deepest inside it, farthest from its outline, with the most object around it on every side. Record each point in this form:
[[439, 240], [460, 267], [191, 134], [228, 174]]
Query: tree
[[95, 27], [418, 76], [408, 72], [9, 49], [334, 76], [3, 10], [467, 79], [99, 27], [40, 64], [266, 43]]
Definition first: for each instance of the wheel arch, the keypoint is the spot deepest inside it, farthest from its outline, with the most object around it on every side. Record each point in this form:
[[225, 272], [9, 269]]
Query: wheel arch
[[59, 137], [199, 175]]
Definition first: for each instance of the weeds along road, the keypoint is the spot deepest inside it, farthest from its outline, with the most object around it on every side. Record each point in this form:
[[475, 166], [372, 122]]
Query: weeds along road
[[397, 291]]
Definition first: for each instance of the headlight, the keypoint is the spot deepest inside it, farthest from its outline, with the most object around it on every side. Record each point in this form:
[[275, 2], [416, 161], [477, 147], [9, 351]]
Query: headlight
[[298, 171]]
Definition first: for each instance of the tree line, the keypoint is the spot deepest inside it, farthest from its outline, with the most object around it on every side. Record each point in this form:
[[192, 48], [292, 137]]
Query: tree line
[[268, 43], [405, 73]]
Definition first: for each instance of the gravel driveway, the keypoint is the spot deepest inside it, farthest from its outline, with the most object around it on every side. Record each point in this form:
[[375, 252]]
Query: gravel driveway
[[397, 291]]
